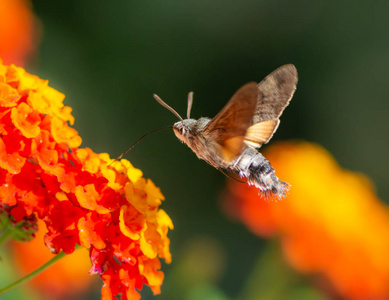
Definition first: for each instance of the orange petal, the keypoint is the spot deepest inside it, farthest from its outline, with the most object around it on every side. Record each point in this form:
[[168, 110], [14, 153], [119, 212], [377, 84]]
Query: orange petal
[[8, 96], [26, 120], [12, 162], [62, 133]]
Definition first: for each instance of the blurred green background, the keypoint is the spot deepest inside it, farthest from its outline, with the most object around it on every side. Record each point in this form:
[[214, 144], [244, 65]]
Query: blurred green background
[[109, 57]]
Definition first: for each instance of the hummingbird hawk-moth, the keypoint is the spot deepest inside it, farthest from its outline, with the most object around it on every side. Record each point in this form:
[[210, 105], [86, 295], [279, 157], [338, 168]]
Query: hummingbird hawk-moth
[[230, 140]]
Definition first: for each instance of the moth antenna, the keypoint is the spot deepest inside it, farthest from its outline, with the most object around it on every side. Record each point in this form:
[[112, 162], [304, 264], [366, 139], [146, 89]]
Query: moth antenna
[[141, 138], [160, 101], [190, 101]]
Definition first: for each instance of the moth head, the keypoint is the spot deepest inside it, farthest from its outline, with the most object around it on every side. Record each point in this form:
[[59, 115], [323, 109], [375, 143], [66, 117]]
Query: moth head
[[183, 129]]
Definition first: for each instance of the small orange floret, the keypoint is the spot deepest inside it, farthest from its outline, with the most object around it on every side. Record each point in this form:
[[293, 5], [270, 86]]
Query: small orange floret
[[11, 161], [88, 234], [132, 222], [63, 133], [8, 96], [26, 120]]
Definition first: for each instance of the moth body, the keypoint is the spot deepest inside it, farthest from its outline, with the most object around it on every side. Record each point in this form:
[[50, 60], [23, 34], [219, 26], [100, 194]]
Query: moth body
[[251, 164], [231, 139]]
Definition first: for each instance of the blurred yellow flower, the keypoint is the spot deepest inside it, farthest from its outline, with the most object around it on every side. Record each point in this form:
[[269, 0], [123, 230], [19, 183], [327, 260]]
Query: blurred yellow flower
[[330, 224]]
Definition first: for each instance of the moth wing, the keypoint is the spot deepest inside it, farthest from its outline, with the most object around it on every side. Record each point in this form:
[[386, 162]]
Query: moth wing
[[275, 93], [228, 128], [260, 133]]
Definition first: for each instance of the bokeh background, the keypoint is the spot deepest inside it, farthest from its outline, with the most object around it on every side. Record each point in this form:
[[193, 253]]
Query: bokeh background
[[109, 57]]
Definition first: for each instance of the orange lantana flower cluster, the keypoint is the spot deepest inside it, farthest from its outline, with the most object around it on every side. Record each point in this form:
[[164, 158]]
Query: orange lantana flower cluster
[[331, 223], [83, 198]]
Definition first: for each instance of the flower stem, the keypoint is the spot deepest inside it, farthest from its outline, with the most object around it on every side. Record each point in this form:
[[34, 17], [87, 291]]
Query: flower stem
[[33, 273], [5, 236]]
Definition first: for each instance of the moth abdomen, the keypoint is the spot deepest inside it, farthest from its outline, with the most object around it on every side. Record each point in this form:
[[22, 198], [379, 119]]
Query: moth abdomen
[[259, 172]]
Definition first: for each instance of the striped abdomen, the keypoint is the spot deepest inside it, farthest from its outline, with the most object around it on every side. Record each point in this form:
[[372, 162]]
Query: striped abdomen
[[259, 172]]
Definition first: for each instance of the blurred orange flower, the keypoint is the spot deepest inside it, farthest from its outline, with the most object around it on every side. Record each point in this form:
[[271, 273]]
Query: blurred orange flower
[[331, 223], [83, 197], [19, 31]]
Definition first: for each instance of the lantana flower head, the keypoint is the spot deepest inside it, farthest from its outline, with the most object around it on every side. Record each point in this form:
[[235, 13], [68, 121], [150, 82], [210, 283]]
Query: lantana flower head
[[331, 223], [83, 198]]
